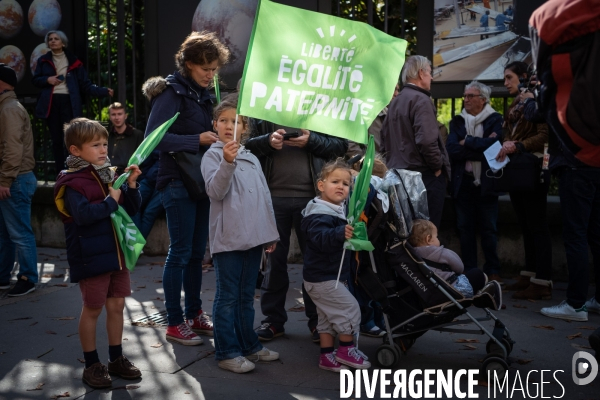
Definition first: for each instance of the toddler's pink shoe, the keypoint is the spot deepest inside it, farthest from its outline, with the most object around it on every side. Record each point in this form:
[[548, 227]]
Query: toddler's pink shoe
[[352, 357], [329, 363]]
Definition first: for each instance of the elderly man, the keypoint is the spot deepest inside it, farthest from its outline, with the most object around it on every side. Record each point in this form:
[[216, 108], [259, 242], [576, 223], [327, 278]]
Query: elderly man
[[410, 137], [17, 186], [476, 128]]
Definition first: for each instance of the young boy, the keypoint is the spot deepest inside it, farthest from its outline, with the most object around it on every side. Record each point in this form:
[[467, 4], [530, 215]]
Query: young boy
[[85, 198]]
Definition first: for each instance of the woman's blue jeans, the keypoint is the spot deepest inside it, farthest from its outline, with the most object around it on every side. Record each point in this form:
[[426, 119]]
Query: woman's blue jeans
[[233, 309], [16, 233], [187, 221]]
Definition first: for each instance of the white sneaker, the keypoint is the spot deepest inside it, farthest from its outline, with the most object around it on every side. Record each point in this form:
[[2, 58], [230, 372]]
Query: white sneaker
[[593, 305], [239, 365], [263, 355], [565, 311]]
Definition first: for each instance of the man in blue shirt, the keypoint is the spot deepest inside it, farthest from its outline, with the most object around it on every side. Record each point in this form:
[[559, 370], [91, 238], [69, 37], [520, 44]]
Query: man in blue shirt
[[501, 19], [484, 23]]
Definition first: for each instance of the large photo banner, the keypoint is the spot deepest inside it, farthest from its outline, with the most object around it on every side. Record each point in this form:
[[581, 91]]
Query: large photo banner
[[318, 72]]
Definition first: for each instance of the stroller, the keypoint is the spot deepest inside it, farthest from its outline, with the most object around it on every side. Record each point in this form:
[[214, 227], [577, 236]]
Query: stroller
[[412, 297]]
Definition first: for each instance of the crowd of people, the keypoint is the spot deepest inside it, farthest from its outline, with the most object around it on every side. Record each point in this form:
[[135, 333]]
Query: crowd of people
[[294, 181]]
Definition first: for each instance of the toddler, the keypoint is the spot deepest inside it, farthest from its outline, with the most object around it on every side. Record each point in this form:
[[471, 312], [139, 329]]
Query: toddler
[[424, 239], [326, 228]]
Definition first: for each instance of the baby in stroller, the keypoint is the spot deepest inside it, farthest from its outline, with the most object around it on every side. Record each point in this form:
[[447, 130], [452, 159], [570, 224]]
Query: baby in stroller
[[447, 264]]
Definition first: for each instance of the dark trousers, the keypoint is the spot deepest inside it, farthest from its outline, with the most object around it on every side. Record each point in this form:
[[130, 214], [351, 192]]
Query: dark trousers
[[276, 281], [579, 191], [61, 112], [476, 211], [530, 208], [436, 194]]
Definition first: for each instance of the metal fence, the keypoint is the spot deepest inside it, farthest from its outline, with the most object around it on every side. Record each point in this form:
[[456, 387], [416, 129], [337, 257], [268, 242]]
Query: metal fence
[[113, 58]]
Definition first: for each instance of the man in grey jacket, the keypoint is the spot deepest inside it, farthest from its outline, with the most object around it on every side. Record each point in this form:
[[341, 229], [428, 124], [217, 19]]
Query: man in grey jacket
[[410, 137]]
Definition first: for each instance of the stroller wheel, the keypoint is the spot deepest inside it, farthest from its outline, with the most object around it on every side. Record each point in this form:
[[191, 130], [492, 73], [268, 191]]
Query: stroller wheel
[[387, 355], [492, 347], [493, 364]]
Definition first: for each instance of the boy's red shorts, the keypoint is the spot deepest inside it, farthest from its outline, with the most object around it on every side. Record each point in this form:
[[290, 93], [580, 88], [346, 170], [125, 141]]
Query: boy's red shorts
[[95, 290]]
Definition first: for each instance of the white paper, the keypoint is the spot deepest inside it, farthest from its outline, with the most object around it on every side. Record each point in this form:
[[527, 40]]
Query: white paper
[[490, 156]]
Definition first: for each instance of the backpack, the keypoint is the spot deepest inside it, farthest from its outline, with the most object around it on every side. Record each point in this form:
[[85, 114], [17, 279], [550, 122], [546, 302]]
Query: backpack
[[565, 36]]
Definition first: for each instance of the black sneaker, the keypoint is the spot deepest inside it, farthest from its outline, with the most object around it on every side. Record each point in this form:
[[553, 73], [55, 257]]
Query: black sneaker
[[375, 332], [22, 287], [267, 332], [316, 338], [4, 285]]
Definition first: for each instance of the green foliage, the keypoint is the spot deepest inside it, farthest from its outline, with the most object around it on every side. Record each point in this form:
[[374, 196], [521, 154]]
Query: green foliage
[[102, 57], [357, 10]]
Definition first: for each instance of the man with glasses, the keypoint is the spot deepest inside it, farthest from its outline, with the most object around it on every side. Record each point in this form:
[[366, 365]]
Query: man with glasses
[[410, 137], [476, 128]]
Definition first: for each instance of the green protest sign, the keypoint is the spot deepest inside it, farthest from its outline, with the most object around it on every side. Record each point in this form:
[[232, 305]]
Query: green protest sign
[[131, 240], [358, 200], [310, 70]]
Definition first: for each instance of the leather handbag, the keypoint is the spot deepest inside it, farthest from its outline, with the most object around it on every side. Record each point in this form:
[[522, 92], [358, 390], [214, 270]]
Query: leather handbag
[[521, 174], [189, 169]]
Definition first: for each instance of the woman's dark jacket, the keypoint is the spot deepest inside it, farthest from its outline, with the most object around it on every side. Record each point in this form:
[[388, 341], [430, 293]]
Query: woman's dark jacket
[[472, 150], [85, 207], [77, 82], [170, 95], [321, 148]]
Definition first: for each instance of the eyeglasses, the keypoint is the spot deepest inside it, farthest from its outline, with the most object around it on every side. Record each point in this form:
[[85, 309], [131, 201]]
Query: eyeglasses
[[470, 96]]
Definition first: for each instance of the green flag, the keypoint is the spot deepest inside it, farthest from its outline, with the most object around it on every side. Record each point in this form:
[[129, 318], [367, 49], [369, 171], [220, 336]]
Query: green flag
[[131, 240], [359, 240], [318, 72]]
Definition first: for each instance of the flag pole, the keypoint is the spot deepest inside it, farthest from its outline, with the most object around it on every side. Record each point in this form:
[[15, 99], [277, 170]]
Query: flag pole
[[340, 271], [235, 127]]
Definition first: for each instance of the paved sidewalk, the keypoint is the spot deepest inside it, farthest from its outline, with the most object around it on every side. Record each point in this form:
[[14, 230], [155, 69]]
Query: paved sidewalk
[[39, 347]]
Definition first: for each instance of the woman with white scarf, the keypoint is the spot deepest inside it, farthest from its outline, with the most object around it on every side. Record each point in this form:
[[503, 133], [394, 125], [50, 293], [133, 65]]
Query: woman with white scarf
[[476, 128]]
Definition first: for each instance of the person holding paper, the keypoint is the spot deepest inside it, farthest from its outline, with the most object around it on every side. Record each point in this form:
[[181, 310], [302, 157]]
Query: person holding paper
[[525, 136], [476, 128]]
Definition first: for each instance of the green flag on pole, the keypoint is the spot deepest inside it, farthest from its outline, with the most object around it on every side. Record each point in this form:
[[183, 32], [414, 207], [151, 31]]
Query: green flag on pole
[[318, 72], [130, 239], [358, 199]]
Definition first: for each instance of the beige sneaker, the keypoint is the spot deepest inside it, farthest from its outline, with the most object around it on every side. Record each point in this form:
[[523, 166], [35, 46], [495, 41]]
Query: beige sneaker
[[264, 355], [239, 365]]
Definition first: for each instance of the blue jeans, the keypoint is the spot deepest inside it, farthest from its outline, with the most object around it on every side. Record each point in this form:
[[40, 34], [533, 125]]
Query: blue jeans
[[472, 211], [187, 221], [579, 191], [233, 309], [150, 209], [16, 233]]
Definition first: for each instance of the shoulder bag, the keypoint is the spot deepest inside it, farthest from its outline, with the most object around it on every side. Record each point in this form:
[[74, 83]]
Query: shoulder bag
[[189, 169]]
